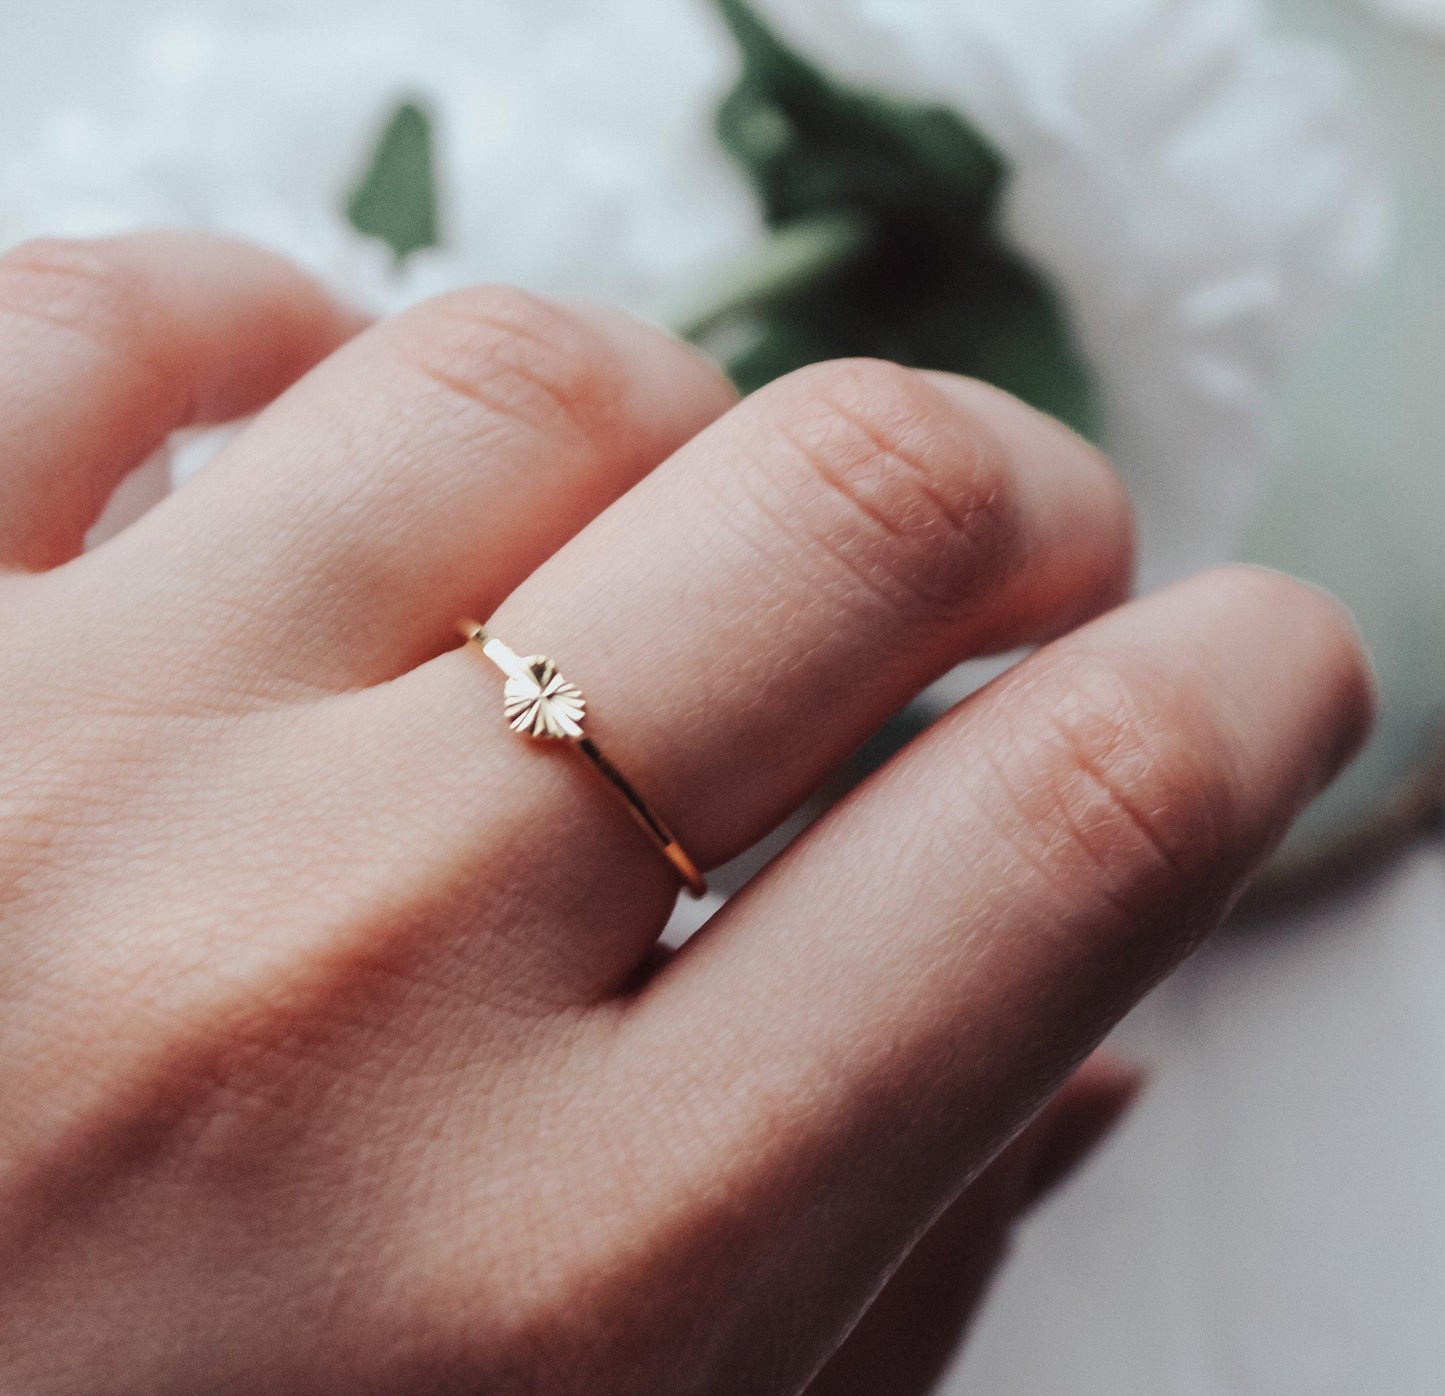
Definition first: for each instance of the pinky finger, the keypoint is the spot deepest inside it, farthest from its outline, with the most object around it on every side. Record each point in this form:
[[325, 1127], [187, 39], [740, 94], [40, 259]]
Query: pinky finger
[[909, 1334]]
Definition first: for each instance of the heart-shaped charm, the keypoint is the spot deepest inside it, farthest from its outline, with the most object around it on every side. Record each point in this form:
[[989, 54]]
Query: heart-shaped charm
[[541, 703]]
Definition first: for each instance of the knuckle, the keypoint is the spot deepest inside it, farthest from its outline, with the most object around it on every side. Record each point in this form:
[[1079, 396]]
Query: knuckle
[[77, 286], [535, 365], [1139, 795], [553, 1320], [897, 484]]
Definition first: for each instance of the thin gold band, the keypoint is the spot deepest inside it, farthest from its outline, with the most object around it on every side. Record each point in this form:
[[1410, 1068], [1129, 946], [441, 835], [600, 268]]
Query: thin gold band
[[540, 703]]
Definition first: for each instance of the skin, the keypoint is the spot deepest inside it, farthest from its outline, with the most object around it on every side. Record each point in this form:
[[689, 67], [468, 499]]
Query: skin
[[337, 1056]]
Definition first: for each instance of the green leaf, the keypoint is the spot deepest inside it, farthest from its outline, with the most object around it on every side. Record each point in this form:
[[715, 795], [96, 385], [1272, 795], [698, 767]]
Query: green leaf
[[395, 199], [924, 276]]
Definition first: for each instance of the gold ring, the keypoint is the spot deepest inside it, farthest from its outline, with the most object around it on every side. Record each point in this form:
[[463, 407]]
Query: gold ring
[[539, 703]]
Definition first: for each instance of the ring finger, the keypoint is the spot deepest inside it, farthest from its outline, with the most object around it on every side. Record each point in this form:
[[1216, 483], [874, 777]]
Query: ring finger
[[739, 622]]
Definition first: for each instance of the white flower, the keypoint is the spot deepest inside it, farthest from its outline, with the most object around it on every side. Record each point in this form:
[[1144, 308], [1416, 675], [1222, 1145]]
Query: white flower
[[1199, 191], [561, 168], [1204, 195]]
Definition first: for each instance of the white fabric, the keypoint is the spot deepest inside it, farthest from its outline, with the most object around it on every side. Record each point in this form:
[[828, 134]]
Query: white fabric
[[1428, 15], [1270, 1221]]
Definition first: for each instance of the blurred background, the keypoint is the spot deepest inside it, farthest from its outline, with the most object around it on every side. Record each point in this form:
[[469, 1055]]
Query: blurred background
[[1210, 233]]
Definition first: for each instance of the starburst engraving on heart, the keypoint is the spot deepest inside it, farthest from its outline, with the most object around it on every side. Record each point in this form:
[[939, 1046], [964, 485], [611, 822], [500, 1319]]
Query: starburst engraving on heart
[[541, 703]]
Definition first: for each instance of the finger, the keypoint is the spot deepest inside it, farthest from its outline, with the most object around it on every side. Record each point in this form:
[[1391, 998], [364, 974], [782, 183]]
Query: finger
[[744, 618], [1073, 1125], [421, 473], [107, 347], [912, 1330], [869, 1021], [756, 609]]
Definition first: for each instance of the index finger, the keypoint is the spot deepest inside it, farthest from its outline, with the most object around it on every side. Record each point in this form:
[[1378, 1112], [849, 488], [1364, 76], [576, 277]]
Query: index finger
[[106, 347]]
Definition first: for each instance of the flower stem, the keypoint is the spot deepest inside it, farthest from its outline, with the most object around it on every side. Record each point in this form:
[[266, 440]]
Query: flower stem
[[791, 258]]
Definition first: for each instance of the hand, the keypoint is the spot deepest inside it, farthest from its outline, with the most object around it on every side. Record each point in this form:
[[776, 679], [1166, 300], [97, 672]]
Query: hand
[[336, 1053]]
